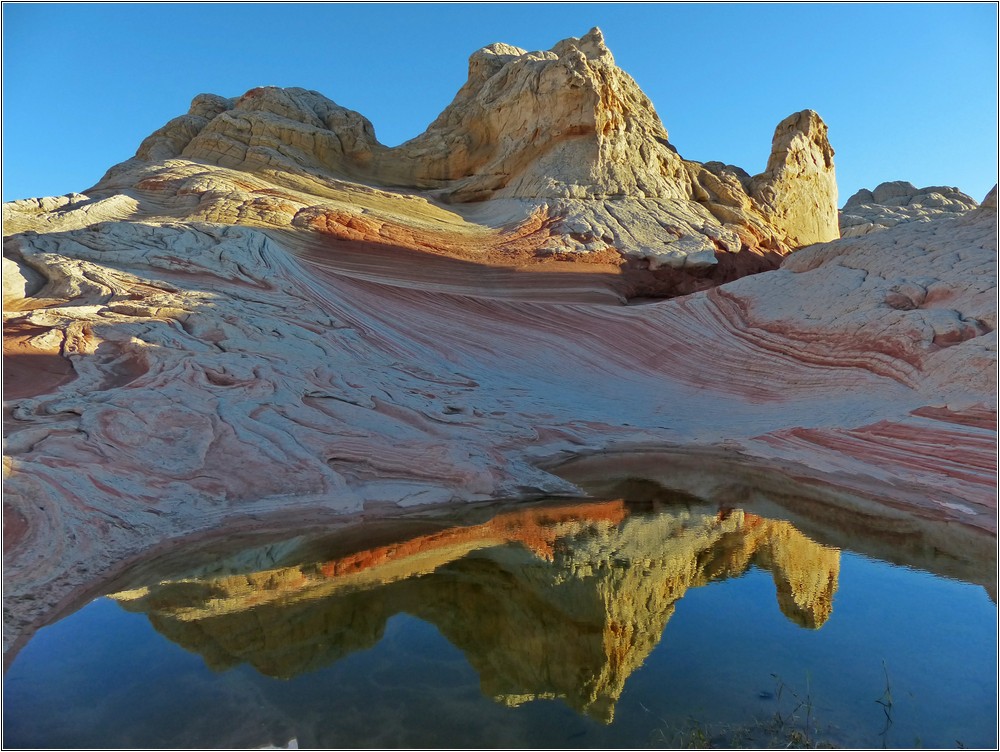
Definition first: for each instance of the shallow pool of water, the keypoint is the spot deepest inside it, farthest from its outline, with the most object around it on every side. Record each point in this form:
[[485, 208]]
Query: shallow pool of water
[[600, 624]]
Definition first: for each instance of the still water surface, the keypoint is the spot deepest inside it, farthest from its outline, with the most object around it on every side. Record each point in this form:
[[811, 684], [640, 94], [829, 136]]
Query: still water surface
[[587, 625]]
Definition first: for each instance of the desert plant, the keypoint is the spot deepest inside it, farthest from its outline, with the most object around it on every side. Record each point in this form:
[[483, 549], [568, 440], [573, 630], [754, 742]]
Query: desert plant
[[886, 702], [792, 725]]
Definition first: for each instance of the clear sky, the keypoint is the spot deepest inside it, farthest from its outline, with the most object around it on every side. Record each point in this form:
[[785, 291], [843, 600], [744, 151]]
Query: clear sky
[[909, 91]]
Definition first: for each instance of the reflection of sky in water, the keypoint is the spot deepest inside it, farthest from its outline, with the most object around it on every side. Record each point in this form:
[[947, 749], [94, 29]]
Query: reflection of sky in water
[[105, 677]]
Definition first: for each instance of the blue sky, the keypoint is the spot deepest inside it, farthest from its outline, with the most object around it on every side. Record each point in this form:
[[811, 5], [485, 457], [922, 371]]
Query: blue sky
[[909, 91]]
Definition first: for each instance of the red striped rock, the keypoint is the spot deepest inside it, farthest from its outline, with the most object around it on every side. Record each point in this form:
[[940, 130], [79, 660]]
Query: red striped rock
[[232, 339]]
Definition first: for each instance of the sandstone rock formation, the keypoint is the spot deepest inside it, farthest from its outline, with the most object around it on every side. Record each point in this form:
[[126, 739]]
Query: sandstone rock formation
[[570, 621], [541, 156], [265, 312], [799, 185], [892, 203]]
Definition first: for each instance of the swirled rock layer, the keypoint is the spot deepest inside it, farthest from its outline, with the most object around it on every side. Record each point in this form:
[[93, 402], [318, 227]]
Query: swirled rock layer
[[267, 312]]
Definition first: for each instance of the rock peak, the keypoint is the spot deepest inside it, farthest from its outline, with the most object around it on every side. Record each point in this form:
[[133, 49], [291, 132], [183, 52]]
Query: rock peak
[[799, 187], [897, 202], [990, 200], [563, 131], [590, 44]]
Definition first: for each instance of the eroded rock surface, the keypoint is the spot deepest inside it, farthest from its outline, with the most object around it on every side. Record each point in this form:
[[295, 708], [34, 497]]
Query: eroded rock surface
[[799, 185], [896, 202], [266, 311], [562, 136]]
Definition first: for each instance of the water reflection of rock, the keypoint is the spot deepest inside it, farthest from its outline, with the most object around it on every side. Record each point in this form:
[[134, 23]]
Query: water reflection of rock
[[563, 602]]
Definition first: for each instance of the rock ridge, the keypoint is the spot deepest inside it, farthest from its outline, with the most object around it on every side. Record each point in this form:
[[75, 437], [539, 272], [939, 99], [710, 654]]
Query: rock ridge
[[564, 129], [899, 201]]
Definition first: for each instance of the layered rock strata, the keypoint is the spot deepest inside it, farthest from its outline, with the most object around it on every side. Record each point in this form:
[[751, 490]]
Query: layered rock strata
[[231, 325], [204, 374]]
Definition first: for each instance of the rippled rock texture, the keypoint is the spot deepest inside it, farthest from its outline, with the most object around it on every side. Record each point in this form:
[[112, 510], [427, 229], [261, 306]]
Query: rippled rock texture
[[266, 312]]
